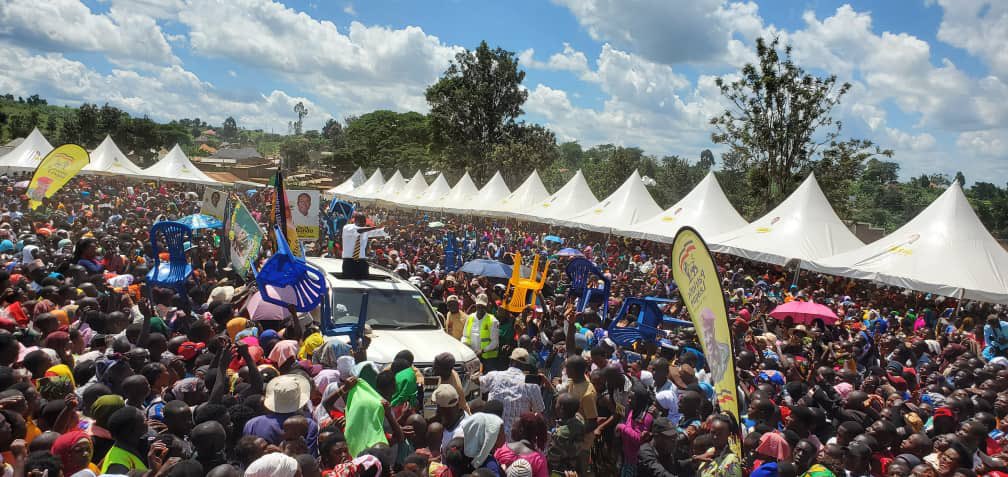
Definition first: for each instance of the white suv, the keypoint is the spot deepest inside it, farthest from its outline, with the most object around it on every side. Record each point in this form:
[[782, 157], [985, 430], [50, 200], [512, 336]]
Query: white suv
[[400, 317]]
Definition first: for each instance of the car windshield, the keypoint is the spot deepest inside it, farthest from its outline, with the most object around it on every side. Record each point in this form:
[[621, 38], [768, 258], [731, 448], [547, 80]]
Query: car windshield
[[396, 309]]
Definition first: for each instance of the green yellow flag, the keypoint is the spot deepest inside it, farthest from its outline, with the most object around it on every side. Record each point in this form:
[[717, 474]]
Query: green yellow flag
[[696, 276], [55, 170]]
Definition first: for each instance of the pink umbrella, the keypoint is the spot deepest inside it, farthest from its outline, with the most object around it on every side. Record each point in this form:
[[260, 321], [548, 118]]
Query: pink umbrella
[[261, 310], [805, 312]]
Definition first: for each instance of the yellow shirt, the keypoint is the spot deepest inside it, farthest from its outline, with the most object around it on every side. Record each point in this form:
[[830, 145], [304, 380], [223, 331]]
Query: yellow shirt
[[455, 324]]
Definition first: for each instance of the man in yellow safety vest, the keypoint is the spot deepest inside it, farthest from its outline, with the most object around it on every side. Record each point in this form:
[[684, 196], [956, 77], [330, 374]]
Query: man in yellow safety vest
[[484, 338]]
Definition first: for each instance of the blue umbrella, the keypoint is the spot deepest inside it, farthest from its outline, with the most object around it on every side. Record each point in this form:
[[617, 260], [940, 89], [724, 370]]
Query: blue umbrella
[[552, 238], [487, 268], [201, 221], [569, 252]]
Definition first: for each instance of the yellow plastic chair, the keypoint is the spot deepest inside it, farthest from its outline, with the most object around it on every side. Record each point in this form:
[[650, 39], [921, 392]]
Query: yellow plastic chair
[[523, 290]]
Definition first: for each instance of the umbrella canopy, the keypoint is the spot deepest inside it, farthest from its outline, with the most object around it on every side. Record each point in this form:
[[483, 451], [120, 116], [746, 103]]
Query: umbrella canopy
[[569, 252], [805, 312], [552, 238], [487, 268], [201, 221], [261, 310]]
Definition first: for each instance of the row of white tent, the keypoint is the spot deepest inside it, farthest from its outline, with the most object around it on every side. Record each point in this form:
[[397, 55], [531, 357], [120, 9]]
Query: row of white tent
[[107, 159], [945, 250]]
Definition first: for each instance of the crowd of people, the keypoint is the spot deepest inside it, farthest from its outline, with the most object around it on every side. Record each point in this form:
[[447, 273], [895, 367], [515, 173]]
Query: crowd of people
[[102, 375]]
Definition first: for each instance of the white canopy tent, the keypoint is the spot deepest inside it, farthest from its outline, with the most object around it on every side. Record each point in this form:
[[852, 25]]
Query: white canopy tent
[[369, 187], [411, 189], [108, 160], [803, 227], [944, 250], [462, 193], [434, 192], [350, 184], [175, 167], [565, 202], [627, 205], [27, 155], [705, 208], [396, 182], [494, 190], [529, 193]]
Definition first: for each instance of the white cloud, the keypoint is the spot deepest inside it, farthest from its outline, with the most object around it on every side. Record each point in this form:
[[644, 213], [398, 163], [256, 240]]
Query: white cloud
[[567, 60], [349, 10], [122, 35], [164, 93], [979, 27]]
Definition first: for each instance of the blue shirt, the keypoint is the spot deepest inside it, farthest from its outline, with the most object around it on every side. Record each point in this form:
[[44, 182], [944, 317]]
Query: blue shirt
[[997, 338]]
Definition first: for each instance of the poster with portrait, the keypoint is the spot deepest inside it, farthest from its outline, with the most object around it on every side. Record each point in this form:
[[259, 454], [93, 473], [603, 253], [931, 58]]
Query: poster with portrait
[[214, 203], [244, 237], [304, 208]]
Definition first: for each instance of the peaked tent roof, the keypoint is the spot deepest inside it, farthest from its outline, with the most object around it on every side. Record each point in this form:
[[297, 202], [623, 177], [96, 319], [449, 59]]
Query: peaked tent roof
[[175, 167], [568, 200], [627, 205], [705, 208], [396, 182], [370, 186], [436, 190], [494, 190], [530, 192], [461, 194], [944, 250], [803, 227], [348, 185], [412, 189], [27, 155], [107, 159]]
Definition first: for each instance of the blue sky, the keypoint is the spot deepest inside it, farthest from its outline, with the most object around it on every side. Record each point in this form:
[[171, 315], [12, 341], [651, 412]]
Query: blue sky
[[928, 76]]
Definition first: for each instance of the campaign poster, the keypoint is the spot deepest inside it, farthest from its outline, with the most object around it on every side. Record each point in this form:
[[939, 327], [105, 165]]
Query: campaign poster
[[304, 208], [245, 238], [55, 170], [214, 203]]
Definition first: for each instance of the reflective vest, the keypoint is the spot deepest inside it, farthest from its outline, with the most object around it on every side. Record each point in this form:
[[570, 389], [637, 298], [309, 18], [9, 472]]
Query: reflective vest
[[486, 325]]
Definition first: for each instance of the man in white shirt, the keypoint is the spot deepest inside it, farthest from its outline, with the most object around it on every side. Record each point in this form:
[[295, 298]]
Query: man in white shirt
[[355, 237]]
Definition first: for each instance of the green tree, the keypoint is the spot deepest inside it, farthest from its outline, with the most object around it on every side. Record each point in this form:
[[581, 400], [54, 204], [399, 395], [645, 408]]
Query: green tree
[[332, 131], [302, 111], [385, 139], [294, 151], [473, 107], [229, 131], [528, 147], [779, 125]]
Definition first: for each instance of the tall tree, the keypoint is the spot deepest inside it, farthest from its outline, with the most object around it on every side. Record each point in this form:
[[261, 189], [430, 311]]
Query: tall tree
[[473, 105], [229, 131], [302, 111], [779, 124]]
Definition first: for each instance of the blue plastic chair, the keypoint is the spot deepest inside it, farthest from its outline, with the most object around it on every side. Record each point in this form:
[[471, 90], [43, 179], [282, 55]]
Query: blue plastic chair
[[580, 272], [284, 270], [174, 272], [353, 330], [646, 327], [453, 256]]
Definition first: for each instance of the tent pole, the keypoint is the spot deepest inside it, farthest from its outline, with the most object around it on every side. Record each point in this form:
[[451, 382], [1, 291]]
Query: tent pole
[[797, 273], [962, 292]]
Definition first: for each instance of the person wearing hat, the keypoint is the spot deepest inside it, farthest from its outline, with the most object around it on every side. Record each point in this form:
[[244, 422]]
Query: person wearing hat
[[449, 414], [482, 332], [285, 396], [355, 237], [657, 458], [454, 319], [509, 387]]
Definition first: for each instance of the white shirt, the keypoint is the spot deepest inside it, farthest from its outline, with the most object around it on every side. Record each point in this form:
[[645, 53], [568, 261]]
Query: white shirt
[[350, 235]]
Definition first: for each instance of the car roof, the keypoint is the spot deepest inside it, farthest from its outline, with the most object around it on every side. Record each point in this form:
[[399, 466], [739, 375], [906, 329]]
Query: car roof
[[378, 277]]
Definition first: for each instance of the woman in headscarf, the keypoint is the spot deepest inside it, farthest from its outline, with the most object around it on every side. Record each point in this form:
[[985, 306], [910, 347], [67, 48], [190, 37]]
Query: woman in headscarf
[[273, 465], [310, 345], [101, 411], [61, 370], [330, 351], [772, 449], [483, 434], [237, 325], [405, 396], [284, 353], [75, 451], [59, 341]]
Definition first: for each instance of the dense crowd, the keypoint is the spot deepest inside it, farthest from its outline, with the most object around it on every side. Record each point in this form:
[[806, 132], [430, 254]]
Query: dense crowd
[[100, 375]]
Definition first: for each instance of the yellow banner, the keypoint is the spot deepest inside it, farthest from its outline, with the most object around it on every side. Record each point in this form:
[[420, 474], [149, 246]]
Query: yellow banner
[[696, 276], [55, 170]]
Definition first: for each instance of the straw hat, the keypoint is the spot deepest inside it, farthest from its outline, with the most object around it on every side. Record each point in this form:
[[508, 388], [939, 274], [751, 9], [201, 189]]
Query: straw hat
[[288, 393]]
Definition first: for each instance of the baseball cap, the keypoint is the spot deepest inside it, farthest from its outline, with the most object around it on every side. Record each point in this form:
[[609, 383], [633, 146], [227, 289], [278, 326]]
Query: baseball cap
[[519, 354], [188, 350], [663, 426], [482, 299], [445, 395]]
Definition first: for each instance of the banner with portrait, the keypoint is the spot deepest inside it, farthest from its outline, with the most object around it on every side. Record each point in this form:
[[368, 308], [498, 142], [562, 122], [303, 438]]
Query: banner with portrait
[[54, 171], [304, 212], [695, 274], [244, 237], [214, 203]]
